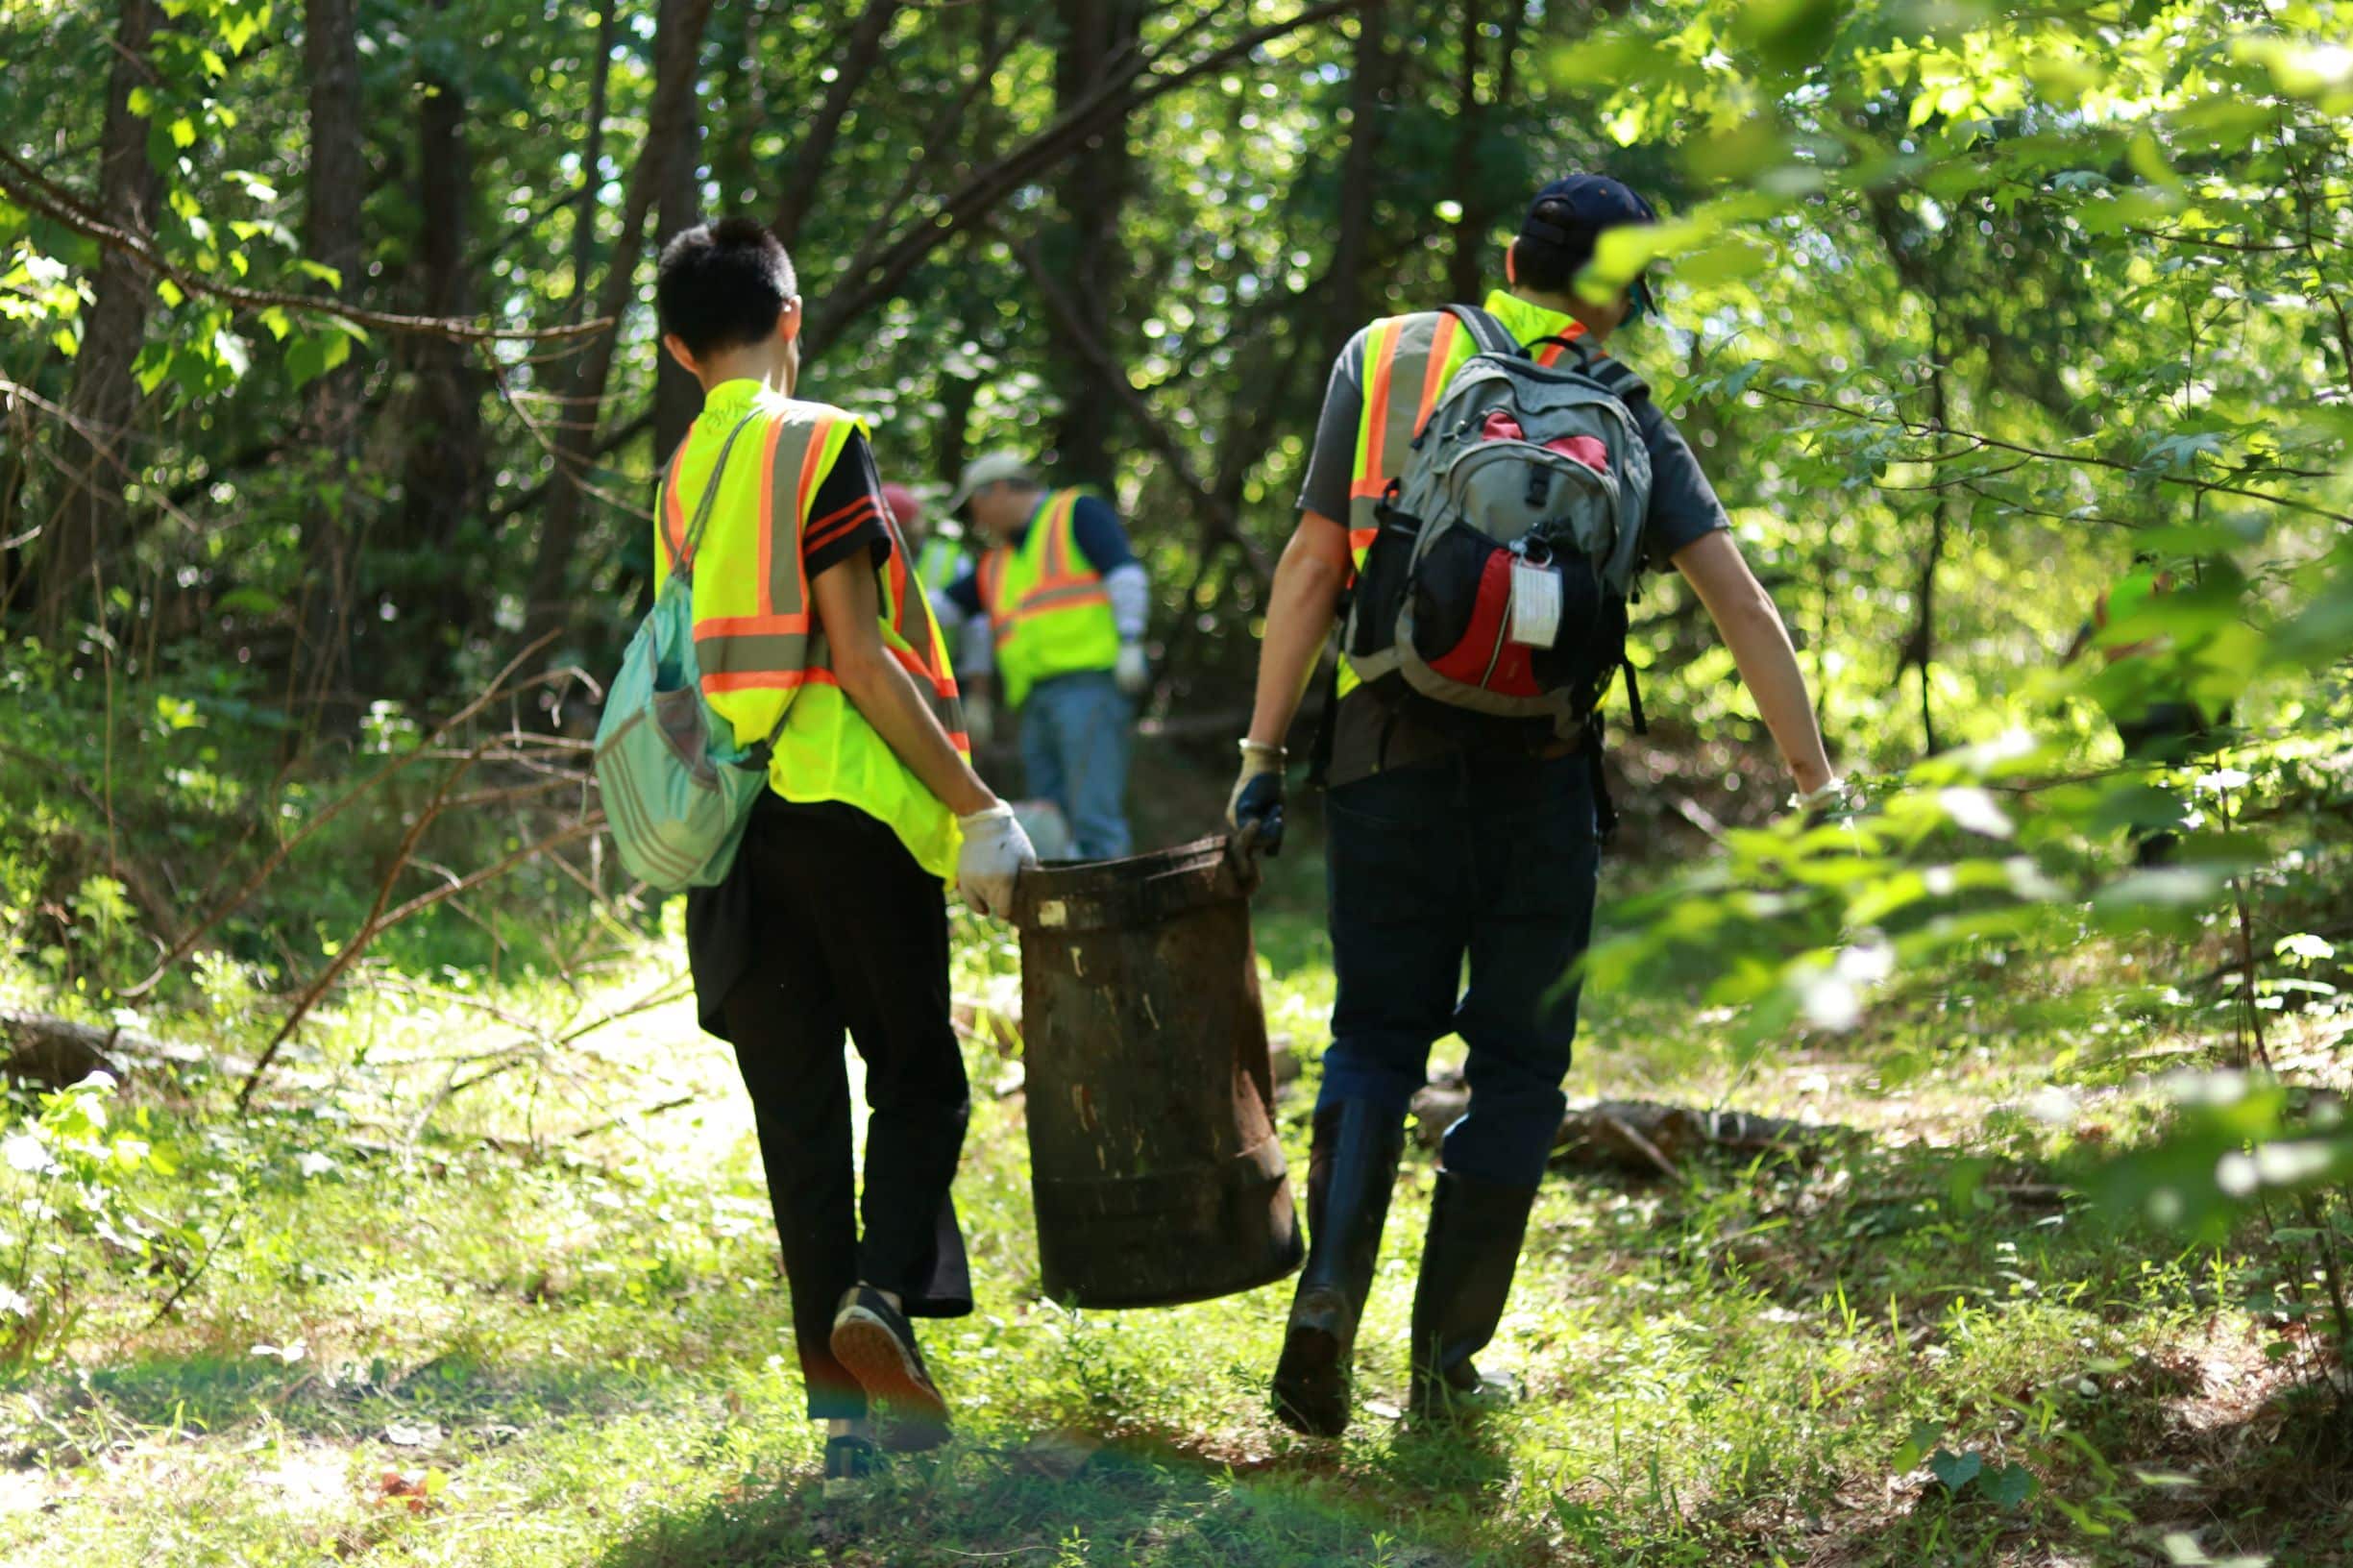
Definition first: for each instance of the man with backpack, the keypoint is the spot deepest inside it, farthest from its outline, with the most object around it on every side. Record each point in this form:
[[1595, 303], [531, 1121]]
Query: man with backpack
[[810, 631], [1485, 486]]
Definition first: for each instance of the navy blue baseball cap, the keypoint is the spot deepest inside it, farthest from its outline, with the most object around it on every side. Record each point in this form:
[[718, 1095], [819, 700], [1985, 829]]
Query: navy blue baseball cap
[[1568, 215]]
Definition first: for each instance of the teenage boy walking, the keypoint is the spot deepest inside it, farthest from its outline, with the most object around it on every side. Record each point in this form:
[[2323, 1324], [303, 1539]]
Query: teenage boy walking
[[811, 629], [1446, 843]]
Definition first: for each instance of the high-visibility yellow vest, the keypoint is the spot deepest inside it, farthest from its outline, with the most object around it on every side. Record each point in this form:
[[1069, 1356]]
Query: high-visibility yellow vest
[[761, 652], [1047, 607], [1407, 361], [940, 562]]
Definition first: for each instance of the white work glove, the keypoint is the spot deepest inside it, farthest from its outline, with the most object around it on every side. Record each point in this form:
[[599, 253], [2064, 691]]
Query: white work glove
[[996, 853], [1133, 671], [1254, 808], [979, 721], [1833, 797]]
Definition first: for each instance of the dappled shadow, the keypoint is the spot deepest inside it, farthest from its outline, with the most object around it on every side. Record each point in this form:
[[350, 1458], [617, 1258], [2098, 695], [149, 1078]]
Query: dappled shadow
[[451, 1399], [1165, 1500]]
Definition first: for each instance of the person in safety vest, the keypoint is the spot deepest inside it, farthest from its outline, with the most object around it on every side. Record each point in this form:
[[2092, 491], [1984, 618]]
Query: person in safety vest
[[1064, 603], [811, 631], [1476, 839], [938, 554]]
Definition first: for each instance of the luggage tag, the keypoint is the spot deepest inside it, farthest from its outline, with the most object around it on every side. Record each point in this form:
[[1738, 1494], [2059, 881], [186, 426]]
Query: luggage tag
[[1535, 604]]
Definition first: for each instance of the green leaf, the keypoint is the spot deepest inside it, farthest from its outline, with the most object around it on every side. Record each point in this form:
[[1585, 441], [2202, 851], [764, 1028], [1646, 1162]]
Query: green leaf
[[1914, 1448], [2007, 1486], [1954, 1470], [312, 355]]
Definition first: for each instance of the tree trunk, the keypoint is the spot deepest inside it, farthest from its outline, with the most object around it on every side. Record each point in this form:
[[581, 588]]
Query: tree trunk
[[442, 471], [1091, 190], [804, 173], [735, 168], [951, 435], [677, 398], [677, 45], [1467, 268], [592, 162], [96, 457], [1368, 78], [1923, 631], [330, 404]]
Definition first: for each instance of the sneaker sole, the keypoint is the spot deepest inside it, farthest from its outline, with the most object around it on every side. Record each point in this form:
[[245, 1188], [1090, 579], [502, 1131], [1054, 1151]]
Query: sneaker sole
[[864, 1344]]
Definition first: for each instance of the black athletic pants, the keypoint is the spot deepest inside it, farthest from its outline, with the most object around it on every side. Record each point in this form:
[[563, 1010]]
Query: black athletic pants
[[827, 924]]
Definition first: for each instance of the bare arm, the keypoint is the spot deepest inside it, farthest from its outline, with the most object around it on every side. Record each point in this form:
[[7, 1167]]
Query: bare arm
[[1752, 628], [880, 688], [1299, 609]]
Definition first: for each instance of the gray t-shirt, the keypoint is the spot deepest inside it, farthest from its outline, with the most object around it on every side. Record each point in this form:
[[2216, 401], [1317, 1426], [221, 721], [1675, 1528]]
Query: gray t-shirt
[[1367, 736]]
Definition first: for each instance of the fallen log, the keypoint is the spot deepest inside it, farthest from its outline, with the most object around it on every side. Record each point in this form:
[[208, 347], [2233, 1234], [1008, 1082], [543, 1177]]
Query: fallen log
[[54, 1052], [1642, 1137]]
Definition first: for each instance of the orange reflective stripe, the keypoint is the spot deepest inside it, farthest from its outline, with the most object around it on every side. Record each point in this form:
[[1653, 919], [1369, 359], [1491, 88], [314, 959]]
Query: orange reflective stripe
[[915, 664], [751, 625], [1381, 356], [1086, 591], [1440, 364], [767, 681], [812, 474], [987, 578], [1055, 518]]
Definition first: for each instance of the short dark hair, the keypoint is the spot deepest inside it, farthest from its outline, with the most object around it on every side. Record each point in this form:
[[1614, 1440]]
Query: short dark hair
[[722, 285]]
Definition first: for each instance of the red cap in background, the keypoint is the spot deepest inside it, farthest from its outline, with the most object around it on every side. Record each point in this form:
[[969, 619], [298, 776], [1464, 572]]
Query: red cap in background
[[904, 508]]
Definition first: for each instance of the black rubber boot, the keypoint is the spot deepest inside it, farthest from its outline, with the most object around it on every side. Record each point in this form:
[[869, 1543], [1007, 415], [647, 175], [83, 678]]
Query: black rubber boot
[[1475, 1231], [1351, 1168]]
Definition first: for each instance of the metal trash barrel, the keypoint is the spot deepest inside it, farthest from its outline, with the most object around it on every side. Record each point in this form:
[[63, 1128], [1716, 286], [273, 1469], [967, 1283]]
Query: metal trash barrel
[[1154, 1164]]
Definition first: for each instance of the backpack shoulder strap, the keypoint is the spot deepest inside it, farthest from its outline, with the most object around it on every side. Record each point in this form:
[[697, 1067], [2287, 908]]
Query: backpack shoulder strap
[[1490, 334], [1615, 377], [684, 559]]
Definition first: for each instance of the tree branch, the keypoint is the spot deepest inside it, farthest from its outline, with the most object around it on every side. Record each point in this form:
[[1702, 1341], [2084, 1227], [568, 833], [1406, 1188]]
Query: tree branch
[[24, 184]]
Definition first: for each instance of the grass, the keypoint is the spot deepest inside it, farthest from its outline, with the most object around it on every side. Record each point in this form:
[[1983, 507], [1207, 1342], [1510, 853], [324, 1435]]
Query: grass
[[471, 1337]]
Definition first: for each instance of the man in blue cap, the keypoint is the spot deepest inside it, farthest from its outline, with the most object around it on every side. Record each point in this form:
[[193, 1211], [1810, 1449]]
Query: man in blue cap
[[1454, 837]]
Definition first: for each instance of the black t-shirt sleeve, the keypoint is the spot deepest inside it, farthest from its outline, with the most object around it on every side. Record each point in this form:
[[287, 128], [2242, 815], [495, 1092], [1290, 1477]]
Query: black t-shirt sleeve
[[847, 513], [1683, 505], [1332, 465], [1100, 536]]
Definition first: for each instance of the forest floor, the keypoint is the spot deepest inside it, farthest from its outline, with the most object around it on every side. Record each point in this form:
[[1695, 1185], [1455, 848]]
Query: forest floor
[[539, 1321]]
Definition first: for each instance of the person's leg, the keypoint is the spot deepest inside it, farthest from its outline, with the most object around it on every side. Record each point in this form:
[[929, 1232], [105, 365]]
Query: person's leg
[[787, 1027], [1397, 875], [1097, 732], [885, 937], [1397, 884], [1042, 770], [1536, 862], [888, 937]]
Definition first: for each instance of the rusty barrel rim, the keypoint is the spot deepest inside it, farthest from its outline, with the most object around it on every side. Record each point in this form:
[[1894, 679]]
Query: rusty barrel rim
[[1136, 889]]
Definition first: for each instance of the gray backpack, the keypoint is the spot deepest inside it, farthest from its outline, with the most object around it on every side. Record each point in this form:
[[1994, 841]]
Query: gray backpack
[[1497, 582]]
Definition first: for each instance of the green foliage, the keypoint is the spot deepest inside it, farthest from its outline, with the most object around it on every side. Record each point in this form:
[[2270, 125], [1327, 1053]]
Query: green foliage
[[64, 1165]]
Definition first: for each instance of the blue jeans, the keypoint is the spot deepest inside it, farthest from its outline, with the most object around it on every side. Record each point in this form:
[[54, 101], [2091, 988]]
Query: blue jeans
[[1075, 731], [1489, 857]]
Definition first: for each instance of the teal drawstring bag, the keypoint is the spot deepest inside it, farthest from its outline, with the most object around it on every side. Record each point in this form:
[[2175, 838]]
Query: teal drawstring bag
[[677, 787]]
